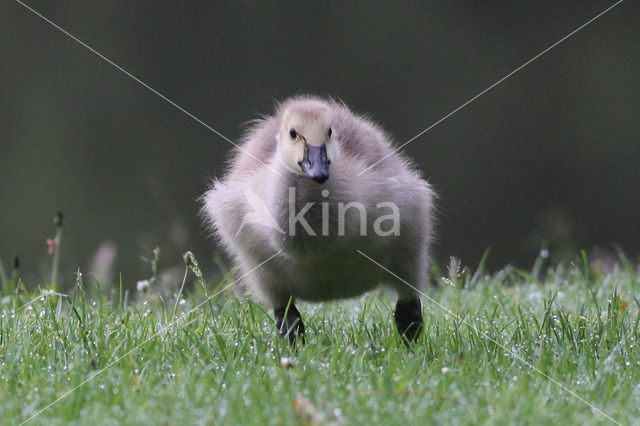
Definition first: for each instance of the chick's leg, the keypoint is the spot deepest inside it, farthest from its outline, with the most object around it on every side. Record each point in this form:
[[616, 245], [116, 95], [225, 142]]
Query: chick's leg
[[289, 322], [411, 266], [408, 316]]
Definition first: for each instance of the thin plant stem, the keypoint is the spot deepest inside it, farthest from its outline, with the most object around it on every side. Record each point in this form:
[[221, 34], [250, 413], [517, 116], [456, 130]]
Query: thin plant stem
[[55, 270]]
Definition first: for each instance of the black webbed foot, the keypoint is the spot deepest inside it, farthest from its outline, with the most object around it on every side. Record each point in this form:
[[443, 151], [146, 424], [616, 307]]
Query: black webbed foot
[[289, 322], [408, 316]]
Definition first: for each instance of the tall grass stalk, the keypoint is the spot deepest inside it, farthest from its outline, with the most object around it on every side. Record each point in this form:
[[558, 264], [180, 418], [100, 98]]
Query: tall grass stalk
[[57, 242]]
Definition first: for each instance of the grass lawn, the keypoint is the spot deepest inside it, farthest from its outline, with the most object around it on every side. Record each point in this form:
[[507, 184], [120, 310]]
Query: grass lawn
[[504, 357]]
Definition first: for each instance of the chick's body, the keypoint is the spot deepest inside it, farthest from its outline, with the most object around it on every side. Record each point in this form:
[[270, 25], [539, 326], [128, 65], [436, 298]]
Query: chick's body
[[268, 204]]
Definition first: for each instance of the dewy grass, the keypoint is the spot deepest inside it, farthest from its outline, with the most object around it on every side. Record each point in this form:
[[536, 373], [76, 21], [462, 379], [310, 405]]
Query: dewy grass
[[226, 364]]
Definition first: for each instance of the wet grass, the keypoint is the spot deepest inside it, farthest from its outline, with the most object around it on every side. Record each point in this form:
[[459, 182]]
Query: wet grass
[[514, 340]]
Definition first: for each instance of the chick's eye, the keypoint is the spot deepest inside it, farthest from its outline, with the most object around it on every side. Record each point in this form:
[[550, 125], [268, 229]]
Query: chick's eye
[[330, 131], [293, 133]]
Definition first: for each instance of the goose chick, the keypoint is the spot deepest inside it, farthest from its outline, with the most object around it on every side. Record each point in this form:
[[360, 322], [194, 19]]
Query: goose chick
[[295, 188]]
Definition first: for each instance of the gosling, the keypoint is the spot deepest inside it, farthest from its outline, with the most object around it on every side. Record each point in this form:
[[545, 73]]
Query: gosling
[[306, 197]]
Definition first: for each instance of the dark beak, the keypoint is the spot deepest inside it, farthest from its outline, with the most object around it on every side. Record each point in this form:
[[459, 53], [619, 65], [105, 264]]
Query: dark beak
[[315, 163]]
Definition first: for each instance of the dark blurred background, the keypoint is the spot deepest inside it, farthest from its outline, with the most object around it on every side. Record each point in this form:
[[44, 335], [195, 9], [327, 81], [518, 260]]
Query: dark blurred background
[[548, 159]]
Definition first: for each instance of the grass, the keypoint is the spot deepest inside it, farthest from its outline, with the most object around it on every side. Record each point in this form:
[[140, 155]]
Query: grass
[[181, 361]]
